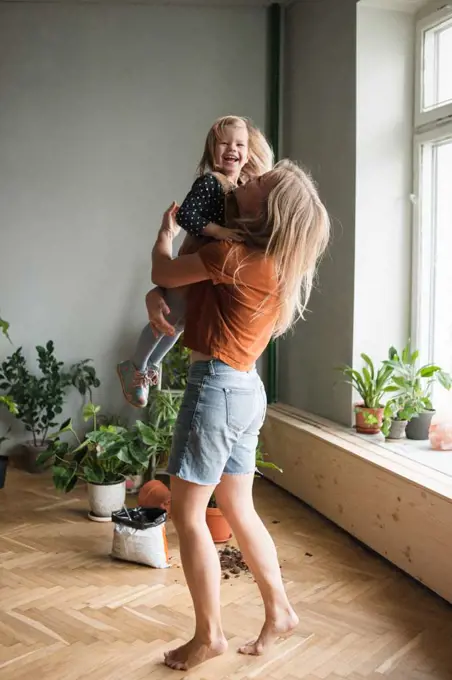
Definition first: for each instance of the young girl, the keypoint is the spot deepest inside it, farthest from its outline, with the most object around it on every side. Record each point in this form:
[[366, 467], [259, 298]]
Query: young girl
[[235, 151]]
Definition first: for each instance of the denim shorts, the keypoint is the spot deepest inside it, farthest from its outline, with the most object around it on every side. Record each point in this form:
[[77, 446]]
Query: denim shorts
[[218, 424]]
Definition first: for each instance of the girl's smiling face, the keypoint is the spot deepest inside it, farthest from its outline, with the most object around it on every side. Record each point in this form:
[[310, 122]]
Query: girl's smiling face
[[231, 151]]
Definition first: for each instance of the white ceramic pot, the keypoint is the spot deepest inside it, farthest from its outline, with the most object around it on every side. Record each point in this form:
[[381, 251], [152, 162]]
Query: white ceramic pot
[[105, 499]]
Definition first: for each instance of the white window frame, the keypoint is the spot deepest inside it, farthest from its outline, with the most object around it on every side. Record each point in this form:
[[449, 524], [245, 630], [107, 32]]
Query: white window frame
[[422, 235], [425, 116], [431, 127]]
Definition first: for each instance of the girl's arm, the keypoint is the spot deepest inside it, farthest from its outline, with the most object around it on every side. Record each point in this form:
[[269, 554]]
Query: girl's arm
[[201, 207]]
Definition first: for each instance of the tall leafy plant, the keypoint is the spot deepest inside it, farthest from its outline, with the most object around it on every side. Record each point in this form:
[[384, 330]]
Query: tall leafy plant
[[414, 383], [371, 385], [38, 400]]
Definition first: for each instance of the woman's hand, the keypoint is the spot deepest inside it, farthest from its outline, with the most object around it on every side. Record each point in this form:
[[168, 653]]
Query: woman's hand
[[157, 310], [169, 225]]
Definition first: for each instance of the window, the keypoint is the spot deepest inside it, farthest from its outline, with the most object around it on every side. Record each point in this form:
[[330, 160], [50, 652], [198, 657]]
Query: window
[[432, 242], [434, 68]]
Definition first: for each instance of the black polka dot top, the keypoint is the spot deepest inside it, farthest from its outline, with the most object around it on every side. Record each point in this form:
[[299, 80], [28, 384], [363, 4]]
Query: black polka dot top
[[202, 205]]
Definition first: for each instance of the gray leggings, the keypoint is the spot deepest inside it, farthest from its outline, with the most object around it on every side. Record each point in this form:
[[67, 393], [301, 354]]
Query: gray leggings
[[151, 350]]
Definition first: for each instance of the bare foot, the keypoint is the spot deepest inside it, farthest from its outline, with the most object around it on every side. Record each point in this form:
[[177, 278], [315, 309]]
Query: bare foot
[[280, 626], [194, 653]]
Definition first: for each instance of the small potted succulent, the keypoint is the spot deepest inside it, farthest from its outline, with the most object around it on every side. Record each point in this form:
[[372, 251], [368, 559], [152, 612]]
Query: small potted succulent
[[103, 458], [218, 525], [414, 384], [372, 386]]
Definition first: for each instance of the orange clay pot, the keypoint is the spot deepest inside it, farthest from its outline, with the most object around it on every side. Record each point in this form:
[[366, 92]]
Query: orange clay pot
[[218, 525], [155, 494], [362, 424]]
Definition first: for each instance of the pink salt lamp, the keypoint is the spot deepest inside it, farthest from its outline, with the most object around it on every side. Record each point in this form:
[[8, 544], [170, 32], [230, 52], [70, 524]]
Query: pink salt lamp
[[440, 435]]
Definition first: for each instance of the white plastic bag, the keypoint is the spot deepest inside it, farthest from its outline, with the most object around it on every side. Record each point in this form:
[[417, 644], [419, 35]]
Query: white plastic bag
[[140, 536]]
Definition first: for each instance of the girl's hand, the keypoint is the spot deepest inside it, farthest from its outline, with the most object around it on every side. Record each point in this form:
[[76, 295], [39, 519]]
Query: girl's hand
[[169, 224], [157, 310], [223, 233]]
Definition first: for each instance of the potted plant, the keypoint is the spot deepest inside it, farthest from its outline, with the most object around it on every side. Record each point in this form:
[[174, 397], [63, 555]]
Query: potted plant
[[103, 459], [372, 387], [39, 400], [218, 525], [398, 412], [415, 383]]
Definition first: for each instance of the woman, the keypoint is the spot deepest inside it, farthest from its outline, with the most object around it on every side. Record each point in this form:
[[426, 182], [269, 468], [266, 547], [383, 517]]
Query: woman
[[241, 294]]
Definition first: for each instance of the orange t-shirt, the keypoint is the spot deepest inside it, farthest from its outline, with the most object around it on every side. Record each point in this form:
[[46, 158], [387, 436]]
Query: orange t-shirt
[[231, 316]]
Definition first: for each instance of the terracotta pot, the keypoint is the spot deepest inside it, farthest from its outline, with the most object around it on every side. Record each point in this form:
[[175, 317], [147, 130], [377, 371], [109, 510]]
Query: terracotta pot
[[218, 525], [364, 427], [155, 494]]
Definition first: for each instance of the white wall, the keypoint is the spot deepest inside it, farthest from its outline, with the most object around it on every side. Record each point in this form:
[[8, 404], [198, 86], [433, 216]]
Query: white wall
[[320, 132], [104, 111], [385, 75]]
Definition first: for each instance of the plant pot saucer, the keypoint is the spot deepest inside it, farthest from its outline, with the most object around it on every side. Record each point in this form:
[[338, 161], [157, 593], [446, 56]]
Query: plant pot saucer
[[96, 518]]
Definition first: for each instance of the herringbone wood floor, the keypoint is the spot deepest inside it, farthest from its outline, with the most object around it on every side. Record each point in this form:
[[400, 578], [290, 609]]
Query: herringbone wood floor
[[67, 611]]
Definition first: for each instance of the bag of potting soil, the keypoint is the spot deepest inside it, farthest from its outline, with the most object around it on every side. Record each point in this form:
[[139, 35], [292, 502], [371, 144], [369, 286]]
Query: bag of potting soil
[[140, 536]]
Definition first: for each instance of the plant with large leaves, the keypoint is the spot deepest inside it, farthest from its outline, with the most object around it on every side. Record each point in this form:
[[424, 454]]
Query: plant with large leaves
[[106, 455], [372, 386], [414, 383]]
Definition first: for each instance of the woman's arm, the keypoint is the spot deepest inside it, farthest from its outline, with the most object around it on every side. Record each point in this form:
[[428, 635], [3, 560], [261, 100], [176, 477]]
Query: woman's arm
[[181, 271]]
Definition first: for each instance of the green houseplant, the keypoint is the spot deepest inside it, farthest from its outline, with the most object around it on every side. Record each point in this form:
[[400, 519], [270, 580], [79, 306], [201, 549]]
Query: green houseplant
[[397, 414], [39, 399], [414, 385], [103, 458], [372, 386], [217, 523]]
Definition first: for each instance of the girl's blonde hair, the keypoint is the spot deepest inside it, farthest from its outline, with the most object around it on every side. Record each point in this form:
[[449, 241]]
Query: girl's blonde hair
[[260, 154], [294, 231]]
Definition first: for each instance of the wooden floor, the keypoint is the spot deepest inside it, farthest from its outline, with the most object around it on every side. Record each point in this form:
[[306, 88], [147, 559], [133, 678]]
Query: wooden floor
[[67, 611]]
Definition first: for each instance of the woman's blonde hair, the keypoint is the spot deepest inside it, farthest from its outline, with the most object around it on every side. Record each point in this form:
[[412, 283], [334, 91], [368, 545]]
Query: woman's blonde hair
[[260, 154], [294, 231]]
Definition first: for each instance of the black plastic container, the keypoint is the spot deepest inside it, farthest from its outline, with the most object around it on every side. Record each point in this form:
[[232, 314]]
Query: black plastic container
[[3, 468], [140, 518]]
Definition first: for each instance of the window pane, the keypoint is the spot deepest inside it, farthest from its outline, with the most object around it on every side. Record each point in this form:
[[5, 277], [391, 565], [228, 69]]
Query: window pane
[[445, 65], [437, 80], [442, 287]]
